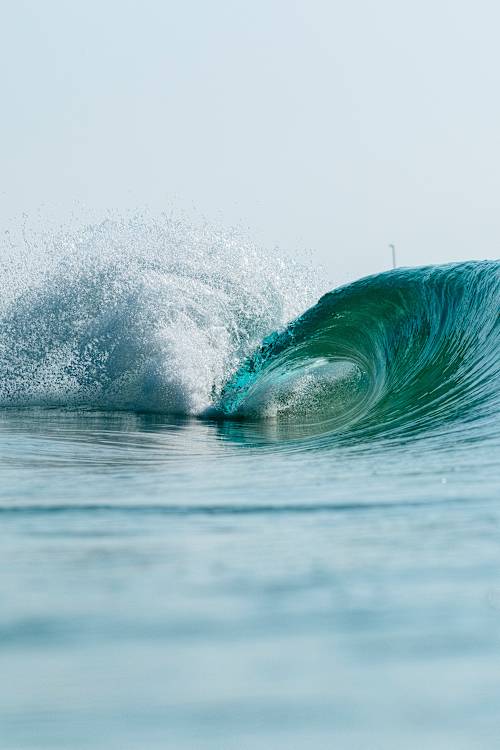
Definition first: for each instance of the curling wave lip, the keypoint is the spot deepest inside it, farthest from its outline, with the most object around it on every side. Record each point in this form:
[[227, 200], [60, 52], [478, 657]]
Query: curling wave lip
[[401, 352]]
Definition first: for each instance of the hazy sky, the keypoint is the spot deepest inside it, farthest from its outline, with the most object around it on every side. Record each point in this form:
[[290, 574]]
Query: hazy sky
[[335, 126]]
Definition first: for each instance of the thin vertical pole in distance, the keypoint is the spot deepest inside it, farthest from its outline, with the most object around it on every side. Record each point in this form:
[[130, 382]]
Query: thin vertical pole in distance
[[393, 250]]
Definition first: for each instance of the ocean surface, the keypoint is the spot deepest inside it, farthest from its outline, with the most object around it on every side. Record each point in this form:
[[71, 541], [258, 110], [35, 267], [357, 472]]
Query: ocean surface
[[235, 518]]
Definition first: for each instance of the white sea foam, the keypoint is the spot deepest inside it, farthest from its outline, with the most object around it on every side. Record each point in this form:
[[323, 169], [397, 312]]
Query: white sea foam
[[138, 313]]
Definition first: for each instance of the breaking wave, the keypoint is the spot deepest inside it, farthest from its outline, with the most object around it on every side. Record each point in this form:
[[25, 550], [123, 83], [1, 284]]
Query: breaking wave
[[139, 314], [155, 315], [405, 350]]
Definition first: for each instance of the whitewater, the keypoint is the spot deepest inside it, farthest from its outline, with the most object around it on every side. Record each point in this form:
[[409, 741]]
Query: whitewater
[[240, 507], [138, 314]]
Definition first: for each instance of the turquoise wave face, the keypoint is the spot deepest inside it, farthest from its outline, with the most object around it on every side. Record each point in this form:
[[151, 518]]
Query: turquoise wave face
[[401, 352]]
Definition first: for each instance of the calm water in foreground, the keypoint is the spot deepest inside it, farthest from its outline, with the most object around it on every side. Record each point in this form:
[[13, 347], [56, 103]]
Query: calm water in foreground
[[187, 584]]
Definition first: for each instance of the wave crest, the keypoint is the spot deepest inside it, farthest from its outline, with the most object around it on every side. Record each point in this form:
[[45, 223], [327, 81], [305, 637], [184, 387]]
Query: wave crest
[[405, 350]]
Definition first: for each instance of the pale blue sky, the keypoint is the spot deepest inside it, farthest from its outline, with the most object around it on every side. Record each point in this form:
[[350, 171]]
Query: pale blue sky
[[338, 127]]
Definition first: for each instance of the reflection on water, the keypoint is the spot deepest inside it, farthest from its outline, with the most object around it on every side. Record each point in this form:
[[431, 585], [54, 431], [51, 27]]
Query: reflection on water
[[179, 583]]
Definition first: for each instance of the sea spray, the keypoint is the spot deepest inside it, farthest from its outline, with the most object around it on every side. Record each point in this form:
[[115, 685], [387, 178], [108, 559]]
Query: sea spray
[[140, 313]]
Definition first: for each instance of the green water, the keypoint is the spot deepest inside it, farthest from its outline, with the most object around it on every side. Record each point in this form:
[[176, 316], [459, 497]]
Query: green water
[[312, 562]]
